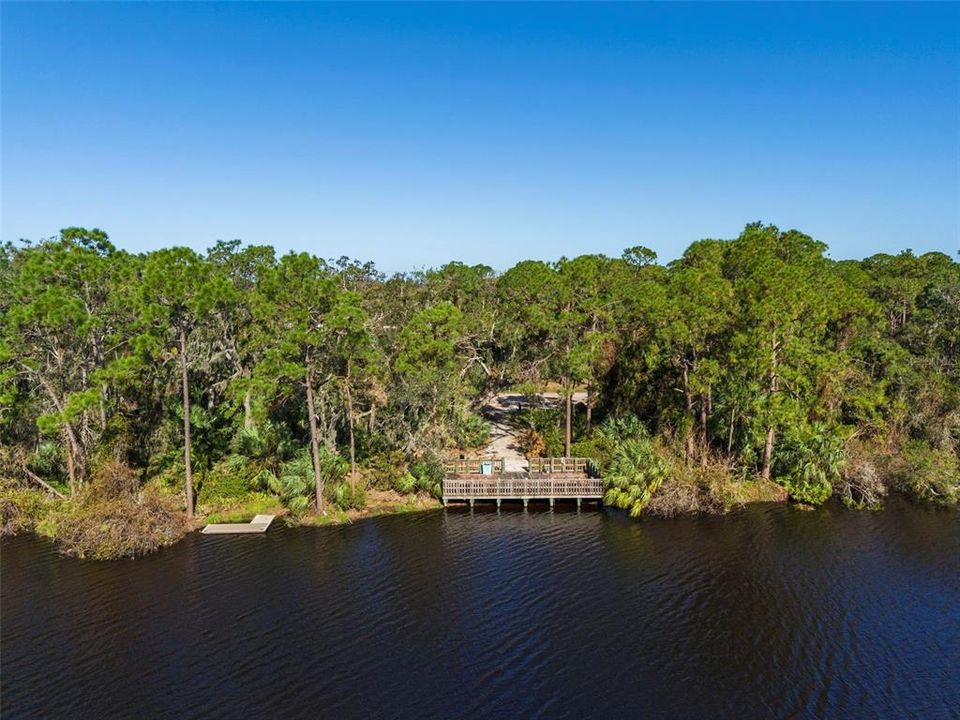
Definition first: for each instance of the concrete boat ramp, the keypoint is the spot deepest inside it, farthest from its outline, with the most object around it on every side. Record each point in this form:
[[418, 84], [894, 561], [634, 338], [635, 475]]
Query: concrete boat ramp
[[259, 524]]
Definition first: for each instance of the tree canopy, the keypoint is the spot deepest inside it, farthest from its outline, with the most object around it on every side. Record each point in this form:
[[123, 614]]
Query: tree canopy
[[759, 352]]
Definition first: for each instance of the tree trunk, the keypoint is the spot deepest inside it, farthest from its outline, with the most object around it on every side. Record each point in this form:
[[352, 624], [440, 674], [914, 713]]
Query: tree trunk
[[46, 486], [589, 409], [76, 459], [730, 432], [704, 416], [353, 451], [328, 424], [98, 362], [688, 441], [768, 453], [314, 441], [247, 411], [568, 436], [71, 470], [103, 408], [188, 469], [774, 386]]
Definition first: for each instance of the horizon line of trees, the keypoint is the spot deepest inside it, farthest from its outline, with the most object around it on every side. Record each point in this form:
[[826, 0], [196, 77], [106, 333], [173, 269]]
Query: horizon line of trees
[[759, 350]]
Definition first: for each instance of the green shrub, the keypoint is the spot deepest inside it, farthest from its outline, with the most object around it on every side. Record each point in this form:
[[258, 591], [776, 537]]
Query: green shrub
[[635, 472], [232, 477], [618, 429], [385, 470], [167, 474], [553, 441], [592, 448], [406, 484], [244, 508], [250, 442], [429, 474], [333, 466], [601, 443], [809, 461], [295, 484], [48, 460], [540, 418], [349, 497], [542, 432], [21, 509], [928, 475], [472, 432]]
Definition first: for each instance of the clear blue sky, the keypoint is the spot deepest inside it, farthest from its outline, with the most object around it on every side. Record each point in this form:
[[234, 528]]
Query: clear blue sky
[[416, 134]]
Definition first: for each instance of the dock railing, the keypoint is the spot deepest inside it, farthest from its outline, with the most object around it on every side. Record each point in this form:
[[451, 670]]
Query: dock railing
[[516, 488], [473, 466], [558, 465]]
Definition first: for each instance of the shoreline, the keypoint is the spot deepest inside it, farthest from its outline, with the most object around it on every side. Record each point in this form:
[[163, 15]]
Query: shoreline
[[391, 503]]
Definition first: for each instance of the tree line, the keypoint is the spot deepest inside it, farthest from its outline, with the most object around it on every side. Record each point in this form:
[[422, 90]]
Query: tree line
[[759, 354]]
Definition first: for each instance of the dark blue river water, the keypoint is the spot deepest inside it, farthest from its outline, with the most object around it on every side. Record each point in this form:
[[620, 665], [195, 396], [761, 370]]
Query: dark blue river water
[[771, 612]]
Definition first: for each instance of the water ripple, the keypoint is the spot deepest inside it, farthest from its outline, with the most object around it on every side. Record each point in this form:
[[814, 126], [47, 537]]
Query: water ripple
[[768, 612]]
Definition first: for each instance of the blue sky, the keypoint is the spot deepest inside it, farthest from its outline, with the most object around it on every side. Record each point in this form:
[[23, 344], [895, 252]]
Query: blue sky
[[416, 134]]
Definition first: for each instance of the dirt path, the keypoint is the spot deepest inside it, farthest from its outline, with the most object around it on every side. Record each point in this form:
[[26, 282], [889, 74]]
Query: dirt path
[[500, 413], [503, 432]]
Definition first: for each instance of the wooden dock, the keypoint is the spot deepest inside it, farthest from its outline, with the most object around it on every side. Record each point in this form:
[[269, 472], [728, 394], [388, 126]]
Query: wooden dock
[[259, 524], [547, 479]]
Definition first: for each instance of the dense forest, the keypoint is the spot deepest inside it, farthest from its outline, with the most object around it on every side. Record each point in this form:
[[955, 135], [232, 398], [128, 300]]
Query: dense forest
[[147, 388]]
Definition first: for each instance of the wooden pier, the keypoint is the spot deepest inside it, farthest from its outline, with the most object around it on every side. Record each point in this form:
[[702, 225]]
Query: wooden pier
[[259, 524], [549, 479]]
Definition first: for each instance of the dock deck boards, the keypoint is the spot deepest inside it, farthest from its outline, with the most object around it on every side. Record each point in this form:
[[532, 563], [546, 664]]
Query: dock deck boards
[[259, 524]]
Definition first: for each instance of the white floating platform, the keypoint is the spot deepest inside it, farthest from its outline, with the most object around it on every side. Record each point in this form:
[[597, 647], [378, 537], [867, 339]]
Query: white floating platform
[[259, 524]]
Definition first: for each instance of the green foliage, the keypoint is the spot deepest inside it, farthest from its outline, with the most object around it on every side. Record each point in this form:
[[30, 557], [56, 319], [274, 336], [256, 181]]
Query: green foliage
[[428, 472], [21, 509], [48, 460], [232, 477], [250, 442], [294, 483], [406, 484], [385, 470], [929, 475], [592, 448], [544, 433], [810, 462], [750, 356], [602, 443], [333, 467], [244, 508], [428, 343], [472, 432], [634, 471], [349, 497]]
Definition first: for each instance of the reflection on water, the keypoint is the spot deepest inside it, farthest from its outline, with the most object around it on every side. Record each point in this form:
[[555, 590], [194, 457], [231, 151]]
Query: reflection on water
[[771, 612]]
